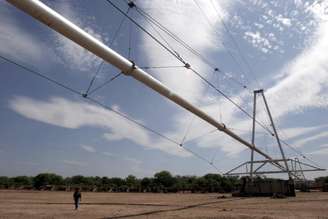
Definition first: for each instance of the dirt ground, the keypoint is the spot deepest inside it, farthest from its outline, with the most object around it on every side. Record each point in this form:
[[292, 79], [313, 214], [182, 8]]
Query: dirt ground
[[33, 204]]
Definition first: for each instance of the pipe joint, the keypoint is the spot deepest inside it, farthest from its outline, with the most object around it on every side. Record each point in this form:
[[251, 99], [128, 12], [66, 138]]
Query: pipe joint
[[130, 71]]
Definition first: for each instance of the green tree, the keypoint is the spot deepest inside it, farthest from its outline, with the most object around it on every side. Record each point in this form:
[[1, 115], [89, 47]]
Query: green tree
[[200, 185], [133, 183], [22, 181], [212, 182], [79, 180], [118, 184], [5, 182], [44, 179], [146, 184], [164, 180]]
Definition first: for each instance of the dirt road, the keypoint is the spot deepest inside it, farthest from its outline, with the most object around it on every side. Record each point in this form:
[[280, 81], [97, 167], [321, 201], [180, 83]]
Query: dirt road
[[32, 204]]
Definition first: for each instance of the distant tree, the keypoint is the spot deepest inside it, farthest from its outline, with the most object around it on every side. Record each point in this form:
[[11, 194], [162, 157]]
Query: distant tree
[[79, 180], [185, 183], [68, 181], [164, 179], [98, 181], [19, 181], [322, 179], [5, 182], [146, 184], [213, 182], [233, 182], [133, 183], [44, 179], [117, 184], [90, 181], [200, 185]]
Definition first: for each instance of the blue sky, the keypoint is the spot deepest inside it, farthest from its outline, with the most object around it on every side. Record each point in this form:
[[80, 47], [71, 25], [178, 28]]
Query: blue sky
[[281, 48]]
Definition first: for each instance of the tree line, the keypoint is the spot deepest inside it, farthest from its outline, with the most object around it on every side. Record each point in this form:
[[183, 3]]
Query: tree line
[[162, 181]]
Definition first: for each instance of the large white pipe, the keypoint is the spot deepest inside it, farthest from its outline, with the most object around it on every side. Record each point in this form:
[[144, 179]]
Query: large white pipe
[[55, 21]]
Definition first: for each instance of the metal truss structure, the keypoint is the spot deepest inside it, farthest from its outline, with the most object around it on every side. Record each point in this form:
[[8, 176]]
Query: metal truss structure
[[296, 167], [293, 167]]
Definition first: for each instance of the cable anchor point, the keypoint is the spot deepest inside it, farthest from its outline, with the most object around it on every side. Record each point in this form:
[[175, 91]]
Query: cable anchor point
[[131, 4], [187, 65]]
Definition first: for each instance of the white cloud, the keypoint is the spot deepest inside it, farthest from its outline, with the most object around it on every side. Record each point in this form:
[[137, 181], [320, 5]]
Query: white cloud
[[16, 41], [113, 136], [192, 89], [300, 88], [290, 133], [285, 21], [88, 148], [70, 114], [290, 22], [258, 41], [194, 30], [74, 56], [71, 54], [305, 141], [319, 9], [209, 137], [297, 90], [294, 92], [323, 152]]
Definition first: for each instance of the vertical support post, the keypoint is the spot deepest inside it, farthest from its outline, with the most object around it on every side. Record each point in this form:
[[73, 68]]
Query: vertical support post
[[276, 134], [253, 135], [301, 169]]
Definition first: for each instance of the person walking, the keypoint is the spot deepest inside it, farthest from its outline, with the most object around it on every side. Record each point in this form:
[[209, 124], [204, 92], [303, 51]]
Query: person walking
[[77, 198]]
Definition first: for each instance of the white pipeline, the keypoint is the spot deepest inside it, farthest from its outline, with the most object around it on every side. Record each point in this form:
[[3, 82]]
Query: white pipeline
[[55, 21]]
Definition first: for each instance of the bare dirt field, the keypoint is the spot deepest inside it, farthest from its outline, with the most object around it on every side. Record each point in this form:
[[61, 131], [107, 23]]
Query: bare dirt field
[[32, 204]]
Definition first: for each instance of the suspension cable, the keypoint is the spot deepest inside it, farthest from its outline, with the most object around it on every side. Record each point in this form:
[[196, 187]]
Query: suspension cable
[[225, 26], [92, 100], [187, 65], [149, 18], [102, 61]]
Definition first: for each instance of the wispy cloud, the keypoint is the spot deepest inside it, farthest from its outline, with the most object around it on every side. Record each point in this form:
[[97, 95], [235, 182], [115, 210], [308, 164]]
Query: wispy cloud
[[278, 27], [71, 114], [72, 55], [299, 89], [290, 133], [16, 41], [88, 148], [176, 16], [321, 152], [258, 41], [293, 92], [305, 141]]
